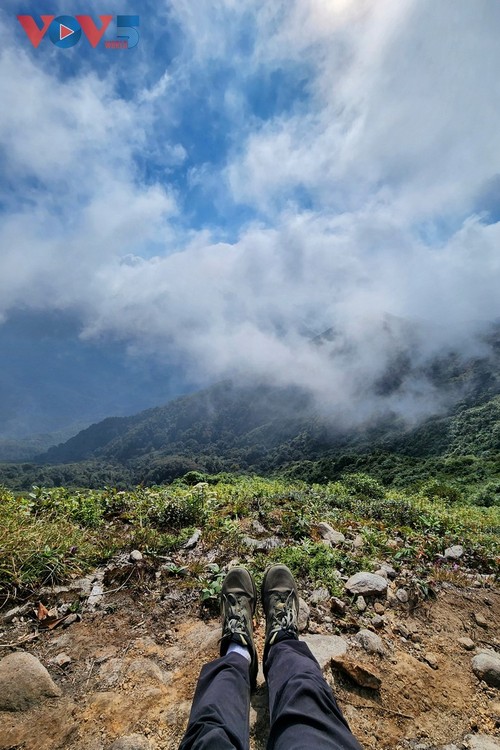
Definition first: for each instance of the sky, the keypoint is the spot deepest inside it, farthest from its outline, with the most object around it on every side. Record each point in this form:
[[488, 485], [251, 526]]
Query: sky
[[250, 175]]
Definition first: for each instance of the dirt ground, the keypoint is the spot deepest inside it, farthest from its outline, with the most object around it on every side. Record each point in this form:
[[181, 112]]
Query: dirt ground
[[134, 667]]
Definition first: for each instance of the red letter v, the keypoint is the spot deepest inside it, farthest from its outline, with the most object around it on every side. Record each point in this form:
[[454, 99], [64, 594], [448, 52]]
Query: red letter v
[[35, 35], [90, 29]]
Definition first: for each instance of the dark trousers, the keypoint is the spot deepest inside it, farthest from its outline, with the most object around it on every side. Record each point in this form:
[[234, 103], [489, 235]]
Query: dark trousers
[[303, 711]]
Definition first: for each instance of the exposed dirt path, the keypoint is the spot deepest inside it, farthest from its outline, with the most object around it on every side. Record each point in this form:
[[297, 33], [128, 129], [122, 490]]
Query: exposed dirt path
[[134, 667]]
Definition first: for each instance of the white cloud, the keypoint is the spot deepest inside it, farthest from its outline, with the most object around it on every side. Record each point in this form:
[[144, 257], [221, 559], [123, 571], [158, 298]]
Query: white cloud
[[399, 134]]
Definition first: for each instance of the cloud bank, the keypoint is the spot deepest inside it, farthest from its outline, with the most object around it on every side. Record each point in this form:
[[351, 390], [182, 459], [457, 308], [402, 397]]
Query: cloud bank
[[276, 170]]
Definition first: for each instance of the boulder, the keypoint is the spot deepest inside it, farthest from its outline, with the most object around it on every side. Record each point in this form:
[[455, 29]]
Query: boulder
[[328, 534], [367, 584], [24, 682], [370, 642], [325, 647], [486, 666], [357, 673]]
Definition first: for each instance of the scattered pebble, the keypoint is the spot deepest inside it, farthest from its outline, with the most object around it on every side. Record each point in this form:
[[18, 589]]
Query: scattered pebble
[[402, 596], [379, 608], [304, 613], [61, 660], [360, 604], [466, 643], [338, 606], [377, 622], [432, 660], [370, 642], [480, 620]]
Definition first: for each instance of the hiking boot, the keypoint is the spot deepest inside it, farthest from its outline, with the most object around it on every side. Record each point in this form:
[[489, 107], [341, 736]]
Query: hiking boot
[[238, 600], [280, 600]]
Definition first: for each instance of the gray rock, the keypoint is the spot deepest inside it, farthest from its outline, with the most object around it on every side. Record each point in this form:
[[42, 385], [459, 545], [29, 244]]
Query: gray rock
[[481, 620], [466, 643], [61, 660], [325, 647], [481, 742], [258, 527], [367, 584], [70, 619], [131, 742], [304, 613], [391, 573], [486, 666], [377, 622], [338, 606], [262, 544], [95, 597], [19, 611], [402, 596], [135, 556], [358, 541], [360, 604], [450, 747], [319, 595], [328, 534], [370, 642], [382, 572], [193, 539], [24, 682], [454, 553], [432, 660]]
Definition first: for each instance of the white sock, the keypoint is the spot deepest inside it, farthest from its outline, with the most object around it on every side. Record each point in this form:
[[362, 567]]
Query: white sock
[[239, 649]]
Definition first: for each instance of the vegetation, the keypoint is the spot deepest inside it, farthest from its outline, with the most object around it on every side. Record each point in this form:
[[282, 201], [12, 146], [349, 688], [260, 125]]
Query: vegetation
[[50, 535]]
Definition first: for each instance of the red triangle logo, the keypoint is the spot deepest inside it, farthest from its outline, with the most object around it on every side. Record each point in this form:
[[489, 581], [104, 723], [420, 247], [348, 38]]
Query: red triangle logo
[[65, 31]]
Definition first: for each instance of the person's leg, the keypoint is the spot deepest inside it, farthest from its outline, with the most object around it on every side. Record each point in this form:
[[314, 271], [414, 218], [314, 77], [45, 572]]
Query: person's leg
[[220, 711], [221, 704], [303, 710]]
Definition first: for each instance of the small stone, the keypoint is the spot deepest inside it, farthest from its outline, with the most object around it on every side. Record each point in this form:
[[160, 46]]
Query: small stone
[[304, 613], [466, 643], [454, 553], [135, 556], [402, 596], [382, 572], [258, 527], [61, 660], [357, 672], [319, 595], [358, 541], [70, 619], [432, 660], [377, 622], [19, 611], [131, 742], [401, 630], [482, 742], [193, 539], [391, 573], [24, 682], [328, 534], [366, 584], [360, 604], [379, 608], [486, 666], [481, 620], [95, 597], [370, 642], [338, 606]]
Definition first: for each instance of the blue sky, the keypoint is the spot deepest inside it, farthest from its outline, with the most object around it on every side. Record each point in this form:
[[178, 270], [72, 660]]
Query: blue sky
[[249, 175]]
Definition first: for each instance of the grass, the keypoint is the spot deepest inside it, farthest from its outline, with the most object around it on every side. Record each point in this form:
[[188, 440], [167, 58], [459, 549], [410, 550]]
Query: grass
[[51, 535]]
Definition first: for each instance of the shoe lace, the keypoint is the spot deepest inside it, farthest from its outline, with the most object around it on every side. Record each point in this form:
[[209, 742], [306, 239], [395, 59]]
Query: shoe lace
[[235, 621], [284, 614]]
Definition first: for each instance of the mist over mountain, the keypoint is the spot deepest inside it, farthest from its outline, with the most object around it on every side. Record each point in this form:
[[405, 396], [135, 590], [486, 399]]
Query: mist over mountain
[[265, 427]]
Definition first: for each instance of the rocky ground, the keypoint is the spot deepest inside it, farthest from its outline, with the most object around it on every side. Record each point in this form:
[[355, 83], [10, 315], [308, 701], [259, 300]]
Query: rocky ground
[[119, 673]]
